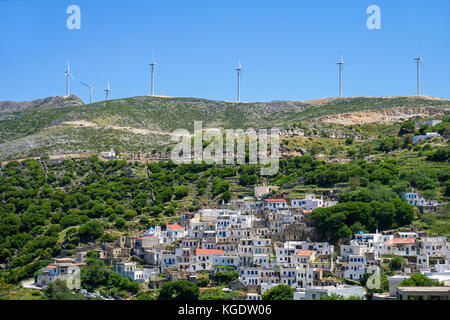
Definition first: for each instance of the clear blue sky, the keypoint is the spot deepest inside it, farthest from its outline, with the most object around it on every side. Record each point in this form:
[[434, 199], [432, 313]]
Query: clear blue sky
[[288, 49]]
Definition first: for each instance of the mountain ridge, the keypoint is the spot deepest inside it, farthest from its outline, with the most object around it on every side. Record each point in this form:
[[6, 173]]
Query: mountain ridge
[[67, 125]]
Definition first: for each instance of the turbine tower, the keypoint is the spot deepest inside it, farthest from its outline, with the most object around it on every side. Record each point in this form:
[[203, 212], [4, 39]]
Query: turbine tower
[[107, 90], [419, 62], [153, 65], [239, 70], [90, 90], [67, 75], [341, 67]]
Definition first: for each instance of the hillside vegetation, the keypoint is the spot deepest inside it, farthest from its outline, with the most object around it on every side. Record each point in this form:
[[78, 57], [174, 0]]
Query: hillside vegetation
[[61, 125], [53, 208]]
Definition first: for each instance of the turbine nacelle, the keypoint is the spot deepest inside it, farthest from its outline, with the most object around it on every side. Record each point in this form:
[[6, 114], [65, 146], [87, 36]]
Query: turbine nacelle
[[239, 68], [419, 60]]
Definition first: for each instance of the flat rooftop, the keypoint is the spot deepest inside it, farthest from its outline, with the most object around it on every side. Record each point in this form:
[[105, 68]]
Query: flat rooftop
[[424, 289]]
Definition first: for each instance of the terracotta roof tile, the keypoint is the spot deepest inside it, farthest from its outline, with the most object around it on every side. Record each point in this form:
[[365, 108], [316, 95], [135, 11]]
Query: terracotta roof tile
[[208, 251], [304, 253], [175, 227]]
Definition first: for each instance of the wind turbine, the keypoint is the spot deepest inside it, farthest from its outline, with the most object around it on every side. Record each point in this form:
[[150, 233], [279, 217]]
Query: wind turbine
[[419, 62], [90, 90], [341, 67], [153, 65], [67, 75], [239, 70], [107, 90]]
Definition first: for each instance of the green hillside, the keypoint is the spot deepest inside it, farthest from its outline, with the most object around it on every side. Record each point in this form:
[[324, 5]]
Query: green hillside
[[66, 125]]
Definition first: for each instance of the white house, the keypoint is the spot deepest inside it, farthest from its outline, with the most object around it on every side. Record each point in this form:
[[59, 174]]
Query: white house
[[433, 246], [226, 260], [445, 267], [304, 277], [354, 248], [175, 232], [402, 247], [368, 239], [304, 256], [407, 235], [309, 203], [323, 248], [205, 259], [431, 123], [314, 293], [356, 267], [249, 276], [288, 276], [64, 269], [275, 204], [168, 259], [427, 136], [109, 154], [129, 270], [261, 260]]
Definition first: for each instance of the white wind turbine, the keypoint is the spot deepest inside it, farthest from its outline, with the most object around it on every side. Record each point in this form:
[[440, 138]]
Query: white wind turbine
[[153, 65], [419, 61], [67, 75], [341, 67], [107, 90], [239, 70], [90, 86]]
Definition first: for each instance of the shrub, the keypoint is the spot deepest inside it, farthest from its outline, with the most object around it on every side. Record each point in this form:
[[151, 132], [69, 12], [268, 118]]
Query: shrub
[[280, 292]]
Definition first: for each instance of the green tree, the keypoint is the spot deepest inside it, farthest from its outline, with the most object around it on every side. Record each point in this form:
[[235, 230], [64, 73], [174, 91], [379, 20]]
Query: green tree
[[4, 287], [225, 277], [179, 290], [408, 127], [419, 280], [397, 263], [181, 192], [404, 212], [91, 230], [58, 290], [120, 223], [280, 292], [203, 282], [349, 140], [226, 196]]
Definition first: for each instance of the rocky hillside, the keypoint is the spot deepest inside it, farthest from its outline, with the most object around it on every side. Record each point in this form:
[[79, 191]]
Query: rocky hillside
[[10, 107], [385, 115], [65, 125]]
